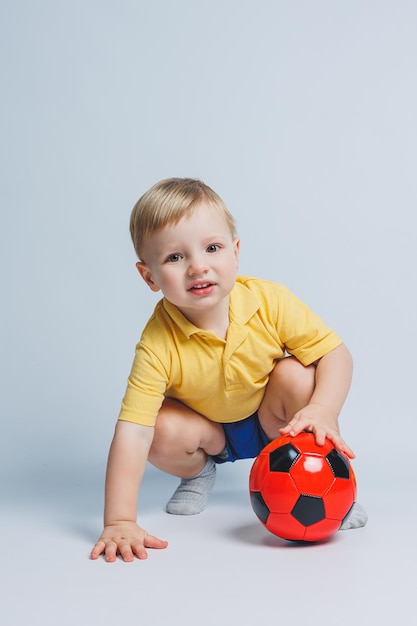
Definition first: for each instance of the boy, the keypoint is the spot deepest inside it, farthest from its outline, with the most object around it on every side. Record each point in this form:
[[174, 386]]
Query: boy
[[224, 365]]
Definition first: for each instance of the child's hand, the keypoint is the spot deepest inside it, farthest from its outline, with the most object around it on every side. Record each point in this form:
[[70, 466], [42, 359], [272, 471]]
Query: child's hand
[[126, 539], [316, 419]]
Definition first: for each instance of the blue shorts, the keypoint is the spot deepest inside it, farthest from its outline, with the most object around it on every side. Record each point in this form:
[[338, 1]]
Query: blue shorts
[[244, 440]]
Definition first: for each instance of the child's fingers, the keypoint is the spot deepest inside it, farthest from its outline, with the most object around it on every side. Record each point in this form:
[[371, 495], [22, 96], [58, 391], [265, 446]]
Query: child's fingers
[[153, 542], [111, 552], [97, 550], [131, 547], [125, 550], [128, 548], [335, 438], [296, 426], [109, 548], [340, 445], [139, 550]]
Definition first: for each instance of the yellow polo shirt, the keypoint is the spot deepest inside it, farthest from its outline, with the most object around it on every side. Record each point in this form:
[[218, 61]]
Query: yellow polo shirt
[[224, 380]]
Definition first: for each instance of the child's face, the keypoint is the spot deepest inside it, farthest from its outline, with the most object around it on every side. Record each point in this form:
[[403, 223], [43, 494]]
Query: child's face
[[194, 263]]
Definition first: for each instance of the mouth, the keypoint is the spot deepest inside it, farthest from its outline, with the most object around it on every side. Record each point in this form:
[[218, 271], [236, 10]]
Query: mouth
[[201, 288]]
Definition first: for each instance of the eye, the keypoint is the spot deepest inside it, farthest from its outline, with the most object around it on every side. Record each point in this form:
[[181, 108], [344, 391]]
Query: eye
[[174, 258], [214, 247]]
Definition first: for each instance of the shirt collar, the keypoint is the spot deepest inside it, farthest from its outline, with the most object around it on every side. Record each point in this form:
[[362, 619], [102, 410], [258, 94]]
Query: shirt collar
[[243, 303], [242, 306]]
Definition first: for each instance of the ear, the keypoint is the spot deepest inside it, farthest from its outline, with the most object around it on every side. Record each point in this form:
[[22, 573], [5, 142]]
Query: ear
[[236, 246], [146, 274]]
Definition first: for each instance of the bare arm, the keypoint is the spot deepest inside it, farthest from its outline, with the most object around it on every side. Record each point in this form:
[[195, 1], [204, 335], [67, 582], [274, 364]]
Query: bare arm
[[333, 379], [126, 465]]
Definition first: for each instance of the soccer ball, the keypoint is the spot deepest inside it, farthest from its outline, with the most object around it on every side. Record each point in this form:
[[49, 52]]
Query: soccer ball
[[301, 491]]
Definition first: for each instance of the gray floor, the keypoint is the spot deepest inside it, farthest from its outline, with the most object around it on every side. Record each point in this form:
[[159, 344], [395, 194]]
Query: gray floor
[[221, 566]]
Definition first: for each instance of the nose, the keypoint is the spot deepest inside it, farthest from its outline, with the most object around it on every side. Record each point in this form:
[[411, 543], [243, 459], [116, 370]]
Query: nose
[[197, 267]]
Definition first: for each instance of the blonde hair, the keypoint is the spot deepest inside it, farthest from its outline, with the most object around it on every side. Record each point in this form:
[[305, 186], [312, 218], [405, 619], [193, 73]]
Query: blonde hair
[[167, 202]]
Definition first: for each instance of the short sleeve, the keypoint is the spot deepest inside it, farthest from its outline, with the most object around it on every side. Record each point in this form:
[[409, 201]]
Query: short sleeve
[[145, 390]]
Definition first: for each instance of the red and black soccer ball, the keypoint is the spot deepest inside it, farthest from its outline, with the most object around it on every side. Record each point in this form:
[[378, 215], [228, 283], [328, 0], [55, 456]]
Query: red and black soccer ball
[[301, 491]]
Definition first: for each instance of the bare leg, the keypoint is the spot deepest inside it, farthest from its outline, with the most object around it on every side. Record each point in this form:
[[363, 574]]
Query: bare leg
[[289, 389], [182, 444], [183, 439]]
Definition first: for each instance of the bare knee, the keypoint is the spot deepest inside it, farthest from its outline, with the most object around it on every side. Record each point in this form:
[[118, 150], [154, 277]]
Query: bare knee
[[183, 438], [171, 432], [166, 426], [293, 379], [289, 389]]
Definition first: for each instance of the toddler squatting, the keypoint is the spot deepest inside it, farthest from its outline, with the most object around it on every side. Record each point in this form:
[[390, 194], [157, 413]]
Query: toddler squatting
[[225, 364]]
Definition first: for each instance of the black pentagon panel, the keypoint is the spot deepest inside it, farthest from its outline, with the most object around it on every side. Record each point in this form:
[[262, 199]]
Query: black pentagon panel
[[259, 506], [338, 464], [308, 510], [283, 458]]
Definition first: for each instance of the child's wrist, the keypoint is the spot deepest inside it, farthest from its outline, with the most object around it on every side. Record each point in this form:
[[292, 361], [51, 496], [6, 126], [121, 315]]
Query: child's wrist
[[118, 521]]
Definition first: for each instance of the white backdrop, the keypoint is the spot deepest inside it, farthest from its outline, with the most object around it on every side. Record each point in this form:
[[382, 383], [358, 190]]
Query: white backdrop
[[300, 114]]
